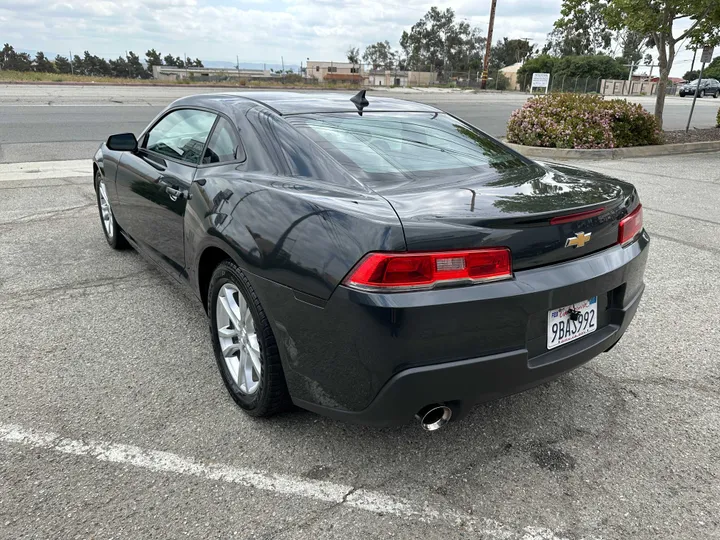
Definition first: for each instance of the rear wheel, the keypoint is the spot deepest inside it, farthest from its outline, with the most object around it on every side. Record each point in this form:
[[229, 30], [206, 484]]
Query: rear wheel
[[110, 226], [244, 344]]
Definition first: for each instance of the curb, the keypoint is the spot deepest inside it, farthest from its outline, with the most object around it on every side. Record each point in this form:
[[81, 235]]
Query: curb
[[616, 153]]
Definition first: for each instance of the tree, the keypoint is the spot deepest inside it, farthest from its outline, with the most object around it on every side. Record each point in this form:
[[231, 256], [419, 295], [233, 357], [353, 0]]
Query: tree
[[582, 29], [135, 67], [196, 63], [572, 68], [634, 44], [439, 43], [656, 19], [62, 64], [152, 58], [353, 56], [119, 68], [169, 60], [712, 71], [42, 64], [511, 51], [379, 55], [10, 59], [78, 65]]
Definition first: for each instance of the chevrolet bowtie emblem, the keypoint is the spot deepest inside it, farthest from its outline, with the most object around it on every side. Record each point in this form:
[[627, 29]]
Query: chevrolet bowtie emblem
[[579, 240]]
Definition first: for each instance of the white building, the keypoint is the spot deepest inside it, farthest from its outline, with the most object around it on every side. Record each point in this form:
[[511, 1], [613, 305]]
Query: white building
[[334, 71], [391, 77]]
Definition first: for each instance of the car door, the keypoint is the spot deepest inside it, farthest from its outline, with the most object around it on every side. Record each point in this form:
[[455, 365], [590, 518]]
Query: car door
[[153, 183]]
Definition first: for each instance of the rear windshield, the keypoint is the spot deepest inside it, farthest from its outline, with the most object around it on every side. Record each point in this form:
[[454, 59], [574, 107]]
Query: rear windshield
[[405, 144]]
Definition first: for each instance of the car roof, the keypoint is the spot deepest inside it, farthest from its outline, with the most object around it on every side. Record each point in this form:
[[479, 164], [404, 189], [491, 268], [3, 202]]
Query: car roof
[[287, 103]]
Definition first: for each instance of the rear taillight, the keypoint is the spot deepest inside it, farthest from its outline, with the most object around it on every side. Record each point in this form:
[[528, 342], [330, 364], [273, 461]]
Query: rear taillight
[[630, 226], [412, 271]]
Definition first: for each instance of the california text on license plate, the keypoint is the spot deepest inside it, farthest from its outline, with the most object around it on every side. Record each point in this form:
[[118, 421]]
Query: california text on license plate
[[562, 329]]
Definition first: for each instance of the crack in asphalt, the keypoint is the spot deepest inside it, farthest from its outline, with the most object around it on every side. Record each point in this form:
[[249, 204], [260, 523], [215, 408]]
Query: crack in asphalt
[[28, 295], [686, 242], [43, 216]]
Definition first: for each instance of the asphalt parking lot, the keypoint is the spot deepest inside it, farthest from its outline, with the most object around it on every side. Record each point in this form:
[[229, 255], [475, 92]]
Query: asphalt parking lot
[[114, 422]]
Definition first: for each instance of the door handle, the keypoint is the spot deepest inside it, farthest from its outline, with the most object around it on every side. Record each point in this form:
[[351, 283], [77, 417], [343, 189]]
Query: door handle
[[173, 190], [175, 194]]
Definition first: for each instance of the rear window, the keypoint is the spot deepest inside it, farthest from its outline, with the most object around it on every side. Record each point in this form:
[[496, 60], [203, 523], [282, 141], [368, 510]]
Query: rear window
[[405, 144]]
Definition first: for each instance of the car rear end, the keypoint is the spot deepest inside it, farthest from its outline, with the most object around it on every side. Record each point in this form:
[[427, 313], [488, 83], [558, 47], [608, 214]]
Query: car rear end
[[514, 273]]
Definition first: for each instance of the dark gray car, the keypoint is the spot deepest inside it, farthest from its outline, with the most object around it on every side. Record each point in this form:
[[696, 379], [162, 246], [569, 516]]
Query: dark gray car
[[708, 87]]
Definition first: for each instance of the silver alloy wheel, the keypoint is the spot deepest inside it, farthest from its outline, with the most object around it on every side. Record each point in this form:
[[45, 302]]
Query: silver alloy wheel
[[238, 340], [105, 209]]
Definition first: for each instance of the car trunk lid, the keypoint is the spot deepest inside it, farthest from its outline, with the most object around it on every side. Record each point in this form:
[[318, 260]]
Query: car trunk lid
[[544, 214]]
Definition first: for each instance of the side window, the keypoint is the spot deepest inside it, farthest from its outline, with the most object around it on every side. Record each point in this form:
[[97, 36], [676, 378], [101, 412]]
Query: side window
[[224, 144], [181, 135]]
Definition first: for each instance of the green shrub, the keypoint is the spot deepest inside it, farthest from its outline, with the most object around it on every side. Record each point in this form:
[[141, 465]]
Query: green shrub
[[582, 121], [718, 118]]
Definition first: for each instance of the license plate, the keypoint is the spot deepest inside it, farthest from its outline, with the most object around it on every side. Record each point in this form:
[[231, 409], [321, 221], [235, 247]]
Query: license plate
[[563, 329]]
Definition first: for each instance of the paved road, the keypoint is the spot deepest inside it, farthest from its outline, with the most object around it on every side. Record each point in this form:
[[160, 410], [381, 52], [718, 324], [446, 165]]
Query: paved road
[[68, 122]]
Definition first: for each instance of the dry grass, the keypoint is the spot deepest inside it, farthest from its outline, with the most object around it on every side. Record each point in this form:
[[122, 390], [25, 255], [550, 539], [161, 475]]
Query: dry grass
[[32, 77]]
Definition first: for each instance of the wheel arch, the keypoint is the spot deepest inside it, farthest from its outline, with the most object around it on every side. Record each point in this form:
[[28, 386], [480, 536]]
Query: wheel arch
[[210, 257]]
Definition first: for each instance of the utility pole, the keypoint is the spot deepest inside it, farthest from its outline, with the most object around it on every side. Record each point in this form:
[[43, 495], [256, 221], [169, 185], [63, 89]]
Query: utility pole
[[72, 70], [486, 62], [697, 91], [692, 66]]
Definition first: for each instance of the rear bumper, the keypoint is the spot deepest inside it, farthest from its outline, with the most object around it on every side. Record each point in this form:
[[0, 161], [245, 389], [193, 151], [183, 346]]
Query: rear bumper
[[463, 384], [379, 358]]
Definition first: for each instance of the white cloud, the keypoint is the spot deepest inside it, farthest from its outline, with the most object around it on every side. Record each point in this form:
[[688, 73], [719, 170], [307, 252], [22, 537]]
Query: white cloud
[[255, 30]]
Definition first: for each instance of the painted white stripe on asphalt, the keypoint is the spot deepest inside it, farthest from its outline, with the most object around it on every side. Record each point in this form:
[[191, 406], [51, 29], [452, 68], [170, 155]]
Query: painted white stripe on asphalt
[[361, 499], [39, 170]]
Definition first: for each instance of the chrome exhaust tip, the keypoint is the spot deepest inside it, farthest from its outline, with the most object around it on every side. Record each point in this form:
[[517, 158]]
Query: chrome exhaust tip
[[434, 416]]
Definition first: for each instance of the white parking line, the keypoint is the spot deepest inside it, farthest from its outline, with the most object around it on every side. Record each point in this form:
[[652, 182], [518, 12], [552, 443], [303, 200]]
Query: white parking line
[[361, 499], [40, 170]]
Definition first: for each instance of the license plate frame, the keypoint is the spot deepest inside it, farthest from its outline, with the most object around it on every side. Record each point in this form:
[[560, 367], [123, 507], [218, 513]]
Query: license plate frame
[[567, 330]]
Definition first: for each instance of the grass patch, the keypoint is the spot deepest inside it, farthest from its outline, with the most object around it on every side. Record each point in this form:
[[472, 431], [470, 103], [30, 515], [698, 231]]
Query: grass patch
[[32, 77]]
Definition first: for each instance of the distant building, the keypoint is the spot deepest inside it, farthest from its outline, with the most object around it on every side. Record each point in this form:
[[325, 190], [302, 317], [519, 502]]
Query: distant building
[[334, 71], [511, 73], [391, 77], [169, 73]]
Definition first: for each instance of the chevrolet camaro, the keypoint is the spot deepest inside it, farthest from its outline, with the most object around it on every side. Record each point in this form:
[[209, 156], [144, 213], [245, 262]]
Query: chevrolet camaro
[[373, 259]]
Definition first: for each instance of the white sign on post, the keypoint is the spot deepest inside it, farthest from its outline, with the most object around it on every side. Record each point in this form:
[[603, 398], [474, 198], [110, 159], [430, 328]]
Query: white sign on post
[[707, 54], [540, 80]]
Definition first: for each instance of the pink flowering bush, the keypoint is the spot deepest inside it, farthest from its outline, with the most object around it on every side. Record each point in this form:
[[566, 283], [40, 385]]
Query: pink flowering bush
[[582, 121]]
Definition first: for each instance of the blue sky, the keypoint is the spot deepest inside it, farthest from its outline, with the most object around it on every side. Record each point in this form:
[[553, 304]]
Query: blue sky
[[254, 30]]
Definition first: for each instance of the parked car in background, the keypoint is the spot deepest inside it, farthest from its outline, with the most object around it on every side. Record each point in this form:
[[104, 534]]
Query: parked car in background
[[708, 87], [374, 261]]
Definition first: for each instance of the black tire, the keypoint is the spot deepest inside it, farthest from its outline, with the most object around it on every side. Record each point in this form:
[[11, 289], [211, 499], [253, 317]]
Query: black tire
[[716, 94], [701, 94], [682, 94], [272, 395], [116, 240]]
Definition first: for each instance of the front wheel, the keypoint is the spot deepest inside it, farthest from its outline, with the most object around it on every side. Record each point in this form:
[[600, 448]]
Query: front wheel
[[244, 344], [110, 226], [701, 94], [682, 94], [716, 94]]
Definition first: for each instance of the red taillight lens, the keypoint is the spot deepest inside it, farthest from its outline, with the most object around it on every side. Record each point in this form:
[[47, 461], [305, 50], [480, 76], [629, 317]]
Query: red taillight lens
[[401, 271], [576, 217], [630, 226]]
